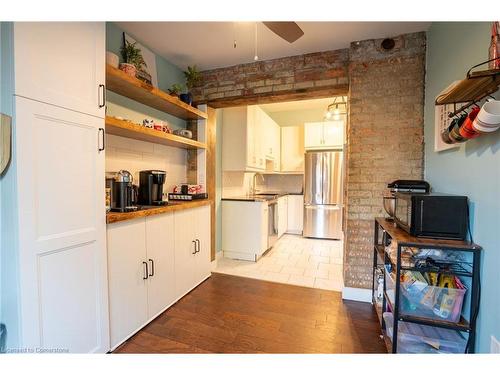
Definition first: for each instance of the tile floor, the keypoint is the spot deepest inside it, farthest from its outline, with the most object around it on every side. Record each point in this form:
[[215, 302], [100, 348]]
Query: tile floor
[[294, 260]]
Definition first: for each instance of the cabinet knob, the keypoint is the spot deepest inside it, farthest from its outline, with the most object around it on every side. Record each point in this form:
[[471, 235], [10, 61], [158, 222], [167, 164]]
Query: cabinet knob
[[199, 245], [146, 272], [194, 252]]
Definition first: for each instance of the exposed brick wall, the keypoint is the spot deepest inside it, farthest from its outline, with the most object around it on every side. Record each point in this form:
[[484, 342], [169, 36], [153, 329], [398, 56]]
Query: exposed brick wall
[[385, 130], [324, 73], [385, 138]]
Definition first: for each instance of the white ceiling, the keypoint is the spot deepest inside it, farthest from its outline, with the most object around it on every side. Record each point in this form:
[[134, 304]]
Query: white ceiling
[[321, 104], [210, 44]]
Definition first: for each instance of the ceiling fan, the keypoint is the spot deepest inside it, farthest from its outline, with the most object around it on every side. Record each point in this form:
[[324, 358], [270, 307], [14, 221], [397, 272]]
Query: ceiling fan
[[289, 31]]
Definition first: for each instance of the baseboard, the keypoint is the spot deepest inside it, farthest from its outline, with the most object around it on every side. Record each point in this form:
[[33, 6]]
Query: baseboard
[[218, 255], [357, 294]]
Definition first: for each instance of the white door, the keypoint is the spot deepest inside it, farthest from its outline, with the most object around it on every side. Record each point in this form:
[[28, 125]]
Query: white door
[[62, 248], [160, 258], [128, 297], [185, 251], [61, 63], [277, 147], [313, 134], [333, 134], [295, 213], [203, 260]]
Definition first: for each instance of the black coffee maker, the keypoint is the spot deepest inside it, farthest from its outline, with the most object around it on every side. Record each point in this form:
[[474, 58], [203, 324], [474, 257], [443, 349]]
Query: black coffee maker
[[123, 196], [151, 188]]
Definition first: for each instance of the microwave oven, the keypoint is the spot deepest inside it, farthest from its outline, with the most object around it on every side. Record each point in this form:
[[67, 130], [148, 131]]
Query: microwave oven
[[433, 215]]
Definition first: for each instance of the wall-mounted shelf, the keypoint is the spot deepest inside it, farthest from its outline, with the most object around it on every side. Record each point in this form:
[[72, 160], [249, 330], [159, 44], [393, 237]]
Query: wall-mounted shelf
[[128, 129], [475, 87], [121, 83]]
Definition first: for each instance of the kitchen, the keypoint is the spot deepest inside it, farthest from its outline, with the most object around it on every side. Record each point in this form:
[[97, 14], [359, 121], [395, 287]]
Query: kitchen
[[280, 186], [244, 211]]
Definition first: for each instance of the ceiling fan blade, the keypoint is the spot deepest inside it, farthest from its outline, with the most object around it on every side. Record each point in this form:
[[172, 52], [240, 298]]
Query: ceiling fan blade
[[289, 31]]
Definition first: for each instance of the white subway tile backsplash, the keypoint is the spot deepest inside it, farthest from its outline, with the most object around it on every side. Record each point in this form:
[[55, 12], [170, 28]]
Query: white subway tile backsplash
[[135, 156]]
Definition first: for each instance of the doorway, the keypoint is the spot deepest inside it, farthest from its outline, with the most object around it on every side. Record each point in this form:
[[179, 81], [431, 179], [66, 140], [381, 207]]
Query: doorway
[[304, 126]]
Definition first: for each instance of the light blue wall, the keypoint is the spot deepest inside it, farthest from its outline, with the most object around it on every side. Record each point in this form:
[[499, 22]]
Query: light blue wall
[[9, 268], [472, 170], [168, 74]]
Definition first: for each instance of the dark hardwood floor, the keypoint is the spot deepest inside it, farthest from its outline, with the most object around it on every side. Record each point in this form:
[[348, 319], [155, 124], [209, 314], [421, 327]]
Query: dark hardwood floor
[[229, 314]]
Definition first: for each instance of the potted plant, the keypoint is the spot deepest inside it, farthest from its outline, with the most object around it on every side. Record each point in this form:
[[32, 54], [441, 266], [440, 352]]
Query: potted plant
[[193, 77], [132, 57], [176, 89]]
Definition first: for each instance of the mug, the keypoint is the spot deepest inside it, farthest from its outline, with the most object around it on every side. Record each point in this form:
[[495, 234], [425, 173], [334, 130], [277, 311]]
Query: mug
[[467, 129]]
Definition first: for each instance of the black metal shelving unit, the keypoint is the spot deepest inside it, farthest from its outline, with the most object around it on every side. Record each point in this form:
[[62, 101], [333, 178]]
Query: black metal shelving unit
[[463, 269]]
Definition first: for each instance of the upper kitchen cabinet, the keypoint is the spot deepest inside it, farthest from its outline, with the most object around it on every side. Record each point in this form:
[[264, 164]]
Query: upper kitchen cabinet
[[324, 135], [272, 141], [292, 152], [61, 64], [242, 139]]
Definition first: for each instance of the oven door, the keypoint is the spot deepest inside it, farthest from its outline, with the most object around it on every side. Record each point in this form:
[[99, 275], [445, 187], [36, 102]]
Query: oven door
[[403, 210]]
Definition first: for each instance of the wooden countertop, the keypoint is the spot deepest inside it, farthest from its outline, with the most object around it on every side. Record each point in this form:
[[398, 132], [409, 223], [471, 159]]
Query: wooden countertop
[[400, 236], [114, 217]]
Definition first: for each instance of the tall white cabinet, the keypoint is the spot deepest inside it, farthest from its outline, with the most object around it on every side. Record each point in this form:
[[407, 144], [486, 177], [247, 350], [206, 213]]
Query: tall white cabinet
[[59, 73]]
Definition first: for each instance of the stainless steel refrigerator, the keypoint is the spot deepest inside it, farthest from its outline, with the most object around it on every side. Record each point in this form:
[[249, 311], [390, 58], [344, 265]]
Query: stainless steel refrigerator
[[323, 194]]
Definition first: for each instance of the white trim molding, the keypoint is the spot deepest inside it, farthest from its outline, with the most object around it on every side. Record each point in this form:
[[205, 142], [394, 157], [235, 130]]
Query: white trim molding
[[357, 294]]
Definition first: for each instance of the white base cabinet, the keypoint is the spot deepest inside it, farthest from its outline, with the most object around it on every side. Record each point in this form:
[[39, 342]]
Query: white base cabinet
[[244, 229], [153, 262], [295, 214], [192, 248]]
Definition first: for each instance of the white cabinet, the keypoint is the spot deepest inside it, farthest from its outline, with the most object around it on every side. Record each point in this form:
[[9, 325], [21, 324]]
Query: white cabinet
[[321, 135], [128, 295], [192, 248], [244, 229], [292, 150], [242, 143], [61, 233], [160, 258], [271, 136], [295, 213], [249, 137], [61, 63], [152, 262], [282, 215]]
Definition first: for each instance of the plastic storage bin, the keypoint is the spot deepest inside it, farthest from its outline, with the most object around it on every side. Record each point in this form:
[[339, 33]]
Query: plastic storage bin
[[416, 338], [429, 302]]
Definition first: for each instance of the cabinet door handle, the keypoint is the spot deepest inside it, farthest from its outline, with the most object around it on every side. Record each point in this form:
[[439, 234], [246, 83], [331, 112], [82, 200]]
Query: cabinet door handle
[[102, 95], [199, 245], [152, 267], [194, 252], [101, 140], [146, 274]]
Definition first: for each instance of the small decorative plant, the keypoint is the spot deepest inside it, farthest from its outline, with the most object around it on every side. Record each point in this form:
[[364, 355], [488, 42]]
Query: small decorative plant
[[193, 77], [132, 55], [176, 89]]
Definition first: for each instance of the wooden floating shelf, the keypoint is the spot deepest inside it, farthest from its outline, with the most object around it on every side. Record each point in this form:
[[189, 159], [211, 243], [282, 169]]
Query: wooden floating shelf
[[128, 129], [473, 88], [133, 88]]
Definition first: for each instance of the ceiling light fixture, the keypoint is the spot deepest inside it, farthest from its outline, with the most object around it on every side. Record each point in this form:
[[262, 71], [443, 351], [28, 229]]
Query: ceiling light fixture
[[335, 109]]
